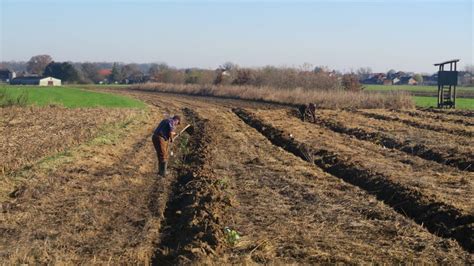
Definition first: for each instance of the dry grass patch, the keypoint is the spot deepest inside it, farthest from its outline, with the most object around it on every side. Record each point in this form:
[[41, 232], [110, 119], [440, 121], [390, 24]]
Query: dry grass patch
[[90, 207], [332, 99], [31, 133]]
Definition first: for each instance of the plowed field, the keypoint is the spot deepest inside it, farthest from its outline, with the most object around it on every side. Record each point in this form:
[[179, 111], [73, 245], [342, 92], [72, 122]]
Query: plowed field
[[356, 187]]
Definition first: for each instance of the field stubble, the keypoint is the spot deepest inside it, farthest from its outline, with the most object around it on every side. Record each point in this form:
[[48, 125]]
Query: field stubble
[[430, 194], [445, 148], [288, 211], [108, 206], [29, 133]]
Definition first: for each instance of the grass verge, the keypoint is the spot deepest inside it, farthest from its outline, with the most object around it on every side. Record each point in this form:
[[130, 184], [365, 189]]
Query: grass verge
[[69, 97], [412, 88], [461, 103]]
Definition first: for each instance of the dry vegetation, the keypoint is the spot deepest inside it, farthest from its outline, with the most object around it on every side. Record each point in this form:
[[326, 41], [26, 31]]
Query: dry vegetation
[[333, 99], [341, 199], [89, 207], [33, 136], [269, 76], [29, 133]]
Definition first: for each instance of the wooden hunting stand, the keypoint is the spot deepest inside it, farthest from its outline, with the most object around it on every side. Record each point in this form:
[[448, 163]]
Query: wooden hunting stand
[[447, 82]]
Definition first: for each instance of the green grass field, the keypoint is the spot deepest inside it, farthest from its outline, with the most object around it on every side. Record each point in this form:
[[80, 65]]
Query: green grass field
[[69, 97], [411, 88], [425, 96], [461, 103]]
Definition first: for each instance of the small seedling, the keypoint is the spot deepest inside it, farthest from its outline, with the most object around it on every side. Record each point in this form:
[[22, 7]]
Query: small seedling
[[231, 235], [223, 183]]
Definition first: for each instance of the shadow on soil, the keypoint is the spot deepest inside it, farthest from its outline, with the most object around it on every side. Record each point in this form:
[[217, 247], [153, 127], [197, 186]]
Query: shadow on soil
[[463, 162], [438, 218], [192, 225]]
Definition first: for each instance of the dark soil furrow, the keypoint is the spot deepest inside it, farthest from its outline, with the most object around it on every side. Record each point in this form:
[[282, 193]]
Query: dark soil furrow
[[463, 162], [416, 124], [196, 209], [441, 117], [438, 218], [461, 113]]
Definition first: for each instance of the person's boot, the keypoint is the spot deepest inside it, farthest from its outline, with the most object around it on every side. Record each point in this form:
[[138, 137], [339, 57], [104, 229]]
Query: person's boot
[[163, 169]]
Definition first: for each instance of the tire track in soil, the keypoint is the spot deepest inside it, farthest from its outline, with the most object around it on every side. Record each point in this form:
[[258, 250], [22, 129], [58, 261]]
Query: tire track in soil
[[192, 225], [415, 124], [462, 161], [438, 218]]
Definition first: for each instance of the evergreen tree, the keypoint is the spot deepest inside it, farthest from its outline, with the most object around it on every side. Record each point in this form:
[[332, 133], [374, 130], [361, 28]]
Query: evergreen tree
[[116, 75]]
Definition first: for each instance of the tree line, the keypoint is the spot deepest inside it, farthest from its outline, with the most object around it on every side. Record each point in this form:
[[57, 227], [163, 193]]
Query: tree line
[[305, 76]]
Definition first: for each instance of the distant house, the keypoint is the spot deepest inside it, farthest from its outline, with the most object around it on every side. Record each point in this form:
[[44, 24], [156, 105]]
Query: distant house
[[395, 81], [394, 75], [105, 72], [6, 75], [39, 81], [387, 82], [408, 81], [375, 78]]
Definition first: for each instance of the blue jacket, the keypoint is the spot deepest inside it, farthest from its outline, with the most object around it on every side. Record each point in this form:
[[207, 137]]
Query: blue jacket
[[165, 128]]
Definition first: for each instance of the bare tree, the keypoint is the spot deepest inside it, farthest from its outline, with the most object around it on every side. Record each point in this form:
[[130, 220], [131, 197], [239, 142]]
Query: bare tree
[[469, 78], [132, 71], [350, 82], [469, 69], [228, 66], [321, 69], [364, 72], [156, 70], [306, 67], [90, 72], [418, 78], [391, 73], [38, 63]]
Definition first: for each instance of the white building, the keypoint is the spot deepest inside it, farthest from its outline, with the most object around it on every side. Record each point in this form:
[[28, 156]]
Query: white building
[[49, 81], [40, 81]]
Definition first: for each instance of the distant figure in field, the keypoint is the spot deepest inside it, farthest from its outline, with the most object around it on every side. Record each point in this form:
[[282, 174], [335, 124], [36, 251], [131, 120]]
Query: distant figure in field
[[308, 111]]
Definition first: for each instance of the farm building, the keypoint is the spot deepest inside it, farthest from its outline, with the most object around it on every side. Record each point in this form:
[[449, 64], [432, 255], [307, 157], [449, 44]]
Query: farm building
[[408, 81], [6, 75], [40, 81]]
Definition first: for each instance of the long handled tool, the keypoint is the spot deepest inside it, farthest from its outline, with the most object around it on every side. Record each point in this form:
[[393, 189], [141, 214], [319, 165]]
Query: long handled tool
[[177, 135], [182, 131]]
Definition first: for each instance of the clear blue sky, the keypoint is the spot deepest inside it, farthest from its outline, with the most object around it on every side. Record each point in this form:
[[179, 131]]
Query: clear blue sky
[[404, 35]]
